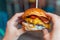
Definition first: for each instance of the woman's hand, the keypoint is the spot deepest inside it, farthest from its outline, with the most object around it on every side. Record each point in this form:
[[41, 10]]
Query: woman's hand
[[55, 34], [12, 33]]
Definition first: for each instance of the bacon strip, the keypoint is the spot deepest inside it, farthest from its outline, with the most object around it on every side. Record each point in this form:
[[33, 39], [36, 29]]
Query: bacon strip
[[44, 19]]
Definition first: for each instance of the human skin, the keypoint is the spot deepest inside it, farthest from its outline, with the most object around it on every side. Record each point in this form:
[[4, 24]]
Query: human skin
[[12, 33], [55, 34]]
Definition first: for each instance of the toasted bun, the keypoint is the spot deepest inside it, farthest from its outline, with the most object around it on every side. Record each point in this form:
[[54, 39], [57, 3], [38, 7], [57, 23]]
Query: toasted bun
[[34, 11]]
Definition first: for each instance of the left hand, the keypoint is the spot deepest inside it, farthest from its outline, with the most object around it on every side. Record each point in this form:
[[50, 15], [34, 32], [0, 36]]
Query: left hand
[[12, 32]]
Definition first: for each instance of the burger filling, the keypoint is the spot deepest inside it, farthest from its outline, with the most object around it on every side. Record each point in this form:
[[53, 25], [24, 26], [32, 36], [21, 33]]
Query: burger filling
[[34, 22]]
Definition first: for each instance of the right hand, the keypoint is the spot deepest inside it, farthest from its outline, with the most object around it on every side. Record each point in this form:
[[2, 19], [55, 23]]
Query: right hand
[[55, 34]]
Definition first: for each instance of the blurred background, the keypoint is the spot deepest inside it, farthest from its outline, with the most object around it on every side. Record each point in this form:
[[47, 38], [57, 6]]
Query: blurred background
[[9, 7]]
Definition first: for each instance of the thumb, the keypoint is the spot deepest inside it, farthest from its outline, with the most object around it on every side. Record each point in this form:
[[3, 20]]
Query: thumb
[[53, 16], [46, 34]]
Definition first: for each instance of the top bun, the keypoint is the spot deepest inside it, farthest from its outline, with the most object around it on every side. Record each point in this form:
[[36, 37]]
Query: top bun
[[34, 11]]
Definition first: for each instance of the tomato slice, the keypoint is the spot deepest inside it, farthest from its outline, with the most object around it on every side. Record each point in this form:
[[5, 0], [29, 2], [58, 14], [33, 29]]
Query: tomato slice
[[33, 17]]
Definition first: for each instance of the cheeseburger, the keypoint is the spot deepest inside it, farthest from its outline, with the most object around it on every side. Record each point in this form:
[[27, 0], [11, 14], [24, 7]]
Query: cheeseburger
[[35, 19]]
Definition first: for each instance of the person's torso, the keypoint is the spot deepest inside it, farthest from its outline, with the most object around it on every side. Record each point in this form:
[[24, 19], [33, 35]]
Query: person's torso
[[31, 36]]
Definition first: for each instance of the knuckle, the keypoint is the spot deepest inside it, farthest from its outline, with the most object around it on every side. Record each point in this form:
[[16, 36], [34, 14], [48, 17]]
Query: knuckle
[[17, 14]]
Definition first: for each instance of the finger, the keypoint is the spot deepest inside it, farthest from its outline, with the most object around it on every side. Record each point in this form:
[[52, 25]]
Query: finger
[[21, 31], [46, 34], [53, 16], [15, 17]]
